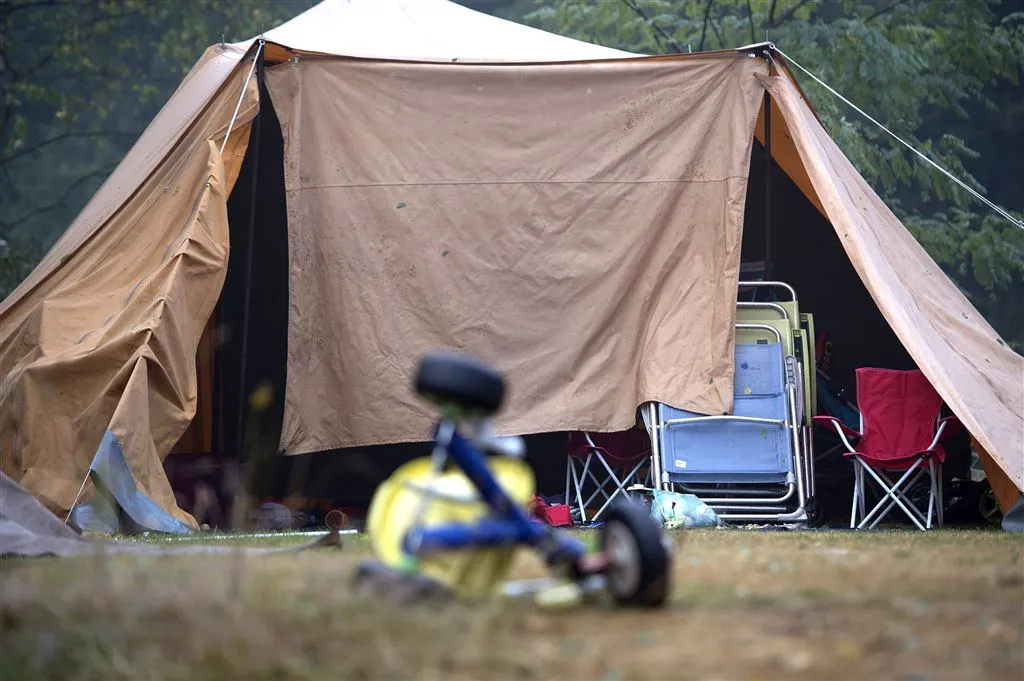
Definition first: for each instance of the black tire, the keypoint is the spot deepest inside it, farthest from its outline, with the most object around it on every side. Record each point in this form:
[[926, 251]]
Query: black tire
[[459, 381], [643, 578]]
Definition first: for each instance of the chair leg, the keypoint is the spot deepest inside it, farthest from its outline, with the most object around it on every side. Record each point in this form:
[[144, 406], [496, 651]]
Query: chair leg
[[579, 491], [937, 492], [863, 498], [932, 492], [568, 477], [580, 480], [894, 492], [599, 485], [856, 490], [620, 485], [892, 499]]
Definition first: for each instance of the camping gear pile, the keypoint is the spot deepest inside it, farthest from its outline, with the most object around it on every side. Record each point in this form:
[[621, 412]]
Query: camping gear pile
[[755, 461]]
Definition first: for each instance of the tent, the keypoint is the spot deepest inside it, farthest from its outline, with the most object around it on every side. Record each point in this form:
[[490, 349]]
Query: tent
[[380, 177]]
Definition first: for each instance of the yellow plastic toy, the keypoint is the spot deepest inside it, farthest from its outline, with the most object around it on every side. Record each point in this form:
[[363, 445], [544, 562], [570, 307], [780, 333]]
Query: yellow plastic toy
[[455, 519], [415, 494]]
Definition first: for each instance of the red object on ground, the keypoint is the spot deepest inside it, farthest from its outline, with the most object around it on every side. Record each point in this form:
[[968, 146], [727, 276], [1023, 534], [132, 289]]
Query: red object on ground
[[556, 515]]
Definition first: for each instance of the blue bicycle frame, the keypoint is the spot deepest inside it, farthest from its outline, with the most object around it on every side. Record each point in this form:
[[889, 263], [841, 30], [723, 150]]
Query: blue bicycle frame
[[509, 525]]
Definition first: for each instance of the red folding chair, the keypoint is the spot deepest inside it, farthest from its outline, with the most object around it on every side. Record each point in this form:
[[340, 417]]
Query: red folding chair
[[901, 431], [605, 459]]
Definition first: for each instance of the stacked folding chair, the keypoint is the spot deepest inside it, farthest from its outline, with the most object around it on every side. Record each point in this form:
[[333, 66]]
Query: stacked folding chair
[[900, 437], [600, 467], [755, 463], [797, 329]]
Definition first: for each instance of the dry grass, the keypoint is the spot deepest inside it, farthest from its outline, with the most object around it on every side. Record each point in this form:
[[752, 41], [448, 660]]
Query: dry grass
[[747, 605]]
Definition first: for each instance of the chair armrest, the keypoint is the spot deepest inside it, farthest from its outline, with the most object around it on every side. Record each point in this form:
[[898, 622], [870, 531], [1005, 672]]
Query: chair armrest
[[836, 423], [845, 432], [950, 427], [583, 450], [946, 428]]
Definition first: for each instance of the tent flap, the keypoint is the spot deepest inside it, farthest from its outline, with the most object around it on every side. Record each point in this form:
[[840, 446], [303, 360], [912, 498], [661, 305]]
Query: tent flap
[[578, 228], [111, 353], [975, 372], [160, 138]]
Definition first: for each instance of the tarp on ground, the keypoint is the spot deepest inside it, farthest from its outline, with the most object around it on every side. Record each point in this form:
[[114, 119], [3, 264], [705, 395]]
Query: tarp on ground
[[27, 528]]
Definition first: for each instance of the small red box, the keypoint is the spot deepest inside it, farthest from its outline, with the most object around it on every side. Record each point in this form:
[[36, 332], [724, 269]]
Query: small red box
[[557, 515]]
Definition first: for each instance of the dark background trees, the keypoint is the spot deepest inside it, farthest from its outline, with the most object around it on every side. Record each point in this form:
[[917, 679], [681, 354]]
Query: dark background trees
[[82, 78], [942, 74]]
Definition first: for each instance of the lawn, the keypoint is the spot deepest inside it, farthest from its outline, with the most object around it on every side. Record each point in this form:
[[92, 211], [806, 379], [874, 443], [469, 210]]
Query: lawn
[[746, 605]]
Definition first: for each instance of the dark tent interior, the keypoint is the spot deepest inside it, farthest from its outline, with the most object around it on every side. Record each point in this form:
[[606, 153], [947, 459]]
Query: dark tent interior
[[252, 316]]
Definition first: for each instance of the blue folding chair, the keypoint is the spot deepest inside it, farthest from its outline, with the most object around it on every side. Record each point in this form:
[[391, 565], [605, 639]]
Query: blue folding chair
[[745, 464]]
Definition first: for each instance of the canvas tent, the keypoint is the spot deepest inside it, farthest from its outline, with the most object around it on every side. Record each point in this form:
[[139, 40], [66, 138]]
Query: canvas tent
[[379, 177]]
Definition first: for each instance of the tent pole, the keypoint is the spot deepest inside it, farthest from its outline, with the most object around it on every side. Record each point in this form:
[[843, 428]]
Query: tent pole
[[768, 175], [239, 433], [218, 391], [767, 188]]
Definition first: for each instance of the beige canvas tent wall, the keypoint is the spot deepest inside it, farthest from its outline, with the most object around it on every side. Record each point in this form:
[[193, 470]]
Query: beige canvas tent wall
[[98, 346]]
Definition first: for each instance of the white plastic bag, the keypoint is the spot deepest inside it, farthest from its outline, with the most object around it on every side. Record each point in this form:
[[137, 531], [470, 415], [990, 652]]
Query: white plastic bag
[[673, 510]]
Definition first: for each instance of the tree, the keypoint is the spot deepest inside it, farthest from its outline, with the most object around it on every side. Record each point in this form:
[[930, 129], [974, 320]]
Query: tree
[[915, 65], [81, 79]]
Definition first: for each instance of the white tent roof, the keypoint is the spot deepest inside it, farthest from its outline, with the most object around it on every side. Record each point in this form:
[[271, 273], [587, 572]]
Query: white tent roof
[[425, 30]]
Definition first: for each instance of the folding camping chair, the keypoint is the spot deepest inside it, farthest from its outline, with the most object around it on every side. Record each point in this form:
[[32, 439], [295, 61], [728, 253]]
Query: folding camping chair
[[901, 431], [746, 465], [611, 461], [800, 361], [781, 308]]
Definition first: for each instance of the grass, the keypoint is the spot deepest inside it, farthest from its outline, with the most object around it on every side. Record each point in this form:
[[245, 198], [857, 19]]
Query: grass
[[897, 604]]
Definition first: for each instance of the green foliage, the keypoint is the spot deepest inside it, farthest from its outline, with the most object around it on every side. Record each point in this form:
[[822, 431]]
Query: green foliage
[[918, 66], [81, 79], [16, 262]]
